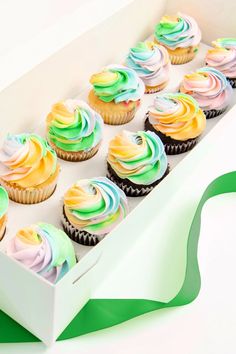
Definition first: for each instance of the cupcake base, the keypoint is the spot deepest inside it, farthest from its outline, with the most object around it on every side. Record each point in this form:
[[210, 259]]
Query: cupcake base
[[31, 195], [74, 156], [79, 236], [131, 189], [172, 146], [154, 89], [181, 59], [232, 81], [212, 113], [180, 55], [111, 112]]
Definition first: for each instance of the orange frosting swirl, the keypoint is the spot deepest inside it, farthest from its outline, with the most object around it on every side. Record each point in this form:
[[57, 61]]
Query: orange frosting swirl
[[177, 115], [27, 161]]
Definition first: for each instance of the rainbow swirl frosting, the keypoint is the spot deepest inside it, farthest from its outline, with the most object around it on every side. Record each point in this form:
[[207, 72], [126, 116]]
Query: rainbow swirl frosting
[[151, 62], [140, 157], [209, 87], [4, 202], [117, 83], [27, 161], [74, 126], [225, 43], [179, 31], [177, 115], [44, 249], [95, 205], [223, 56]]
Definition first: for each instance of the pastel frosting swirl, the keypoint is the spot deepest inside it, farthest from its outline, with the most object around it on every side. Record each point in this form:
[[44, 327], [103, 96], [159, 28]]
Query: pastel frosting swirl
[[179, 31], [151, 62], [140, 157], [44, 249], [223, 56], [117, 83], [177, 115], [74, 126], [27, 160], [225, 43], [95, 205], [209, 87], [4, 202]]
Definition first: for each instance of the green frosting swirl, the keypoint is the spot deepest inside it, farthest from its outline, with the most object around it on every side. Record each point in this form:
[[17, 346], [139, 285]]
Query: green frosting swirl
[[4, 201], [73, 126]]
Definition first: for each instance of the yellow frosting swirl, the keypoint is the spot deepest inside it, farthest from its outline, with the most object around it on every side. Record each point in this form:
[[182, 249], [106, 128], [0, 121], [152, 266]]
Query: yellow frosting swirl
[[27, 161], [178, 116]]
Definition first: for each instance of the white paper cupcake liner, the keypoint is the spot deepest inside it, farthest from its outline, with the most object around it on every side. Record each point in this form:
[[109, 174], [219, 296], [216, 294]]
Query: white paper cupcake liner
[[181, 59], [113, 118], [74, 156], [80, 236], [154, 89], [29, 195]]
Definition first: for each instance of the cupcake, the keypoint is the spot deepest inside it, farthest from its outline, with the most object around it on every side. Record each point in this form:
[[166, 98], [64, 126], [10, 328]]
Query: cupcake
[[28, 168], [91, 209], [74, 130], [152, 64], [136, 162], [223, 58], [116, 94], [44, 249], [4, 201], [180, 35], [177, 119], [210, 88]]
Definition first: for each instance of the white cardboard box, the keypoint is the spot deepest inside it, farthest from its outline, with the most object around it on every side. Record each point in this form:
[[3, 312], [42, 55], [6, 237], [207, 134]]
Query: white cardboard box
[[45, 309]]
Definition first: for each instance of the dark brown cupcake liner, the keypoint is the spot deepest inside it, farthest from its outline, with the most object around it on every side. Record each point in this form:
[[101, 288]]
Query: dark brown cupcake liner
[[79, 236], [212, 113], [3, 233], [172, 146], [131, 189], [232, 81]]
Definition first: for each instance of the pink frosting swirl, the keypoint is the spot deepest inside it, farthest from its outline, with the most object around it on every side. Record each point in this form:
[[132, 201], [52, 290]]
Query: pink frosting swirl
[[44, 249], [222, 59], [209, 87]]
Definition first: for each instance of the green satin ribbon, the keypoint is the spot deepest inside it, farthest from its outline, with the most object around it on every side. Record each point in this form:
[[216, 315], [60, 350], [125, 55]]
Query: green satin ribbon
[[103, 313]]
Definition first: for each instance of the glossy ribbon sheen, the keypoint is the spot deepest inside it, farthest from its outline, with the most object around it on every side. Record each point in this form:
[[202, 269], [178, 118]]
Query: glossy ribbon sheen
[[103, 313]]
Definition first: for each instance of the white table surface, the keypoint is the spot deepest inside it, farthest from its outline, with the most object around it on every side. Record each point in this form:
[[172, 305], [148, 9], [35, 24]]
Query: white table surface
[[206, 326]]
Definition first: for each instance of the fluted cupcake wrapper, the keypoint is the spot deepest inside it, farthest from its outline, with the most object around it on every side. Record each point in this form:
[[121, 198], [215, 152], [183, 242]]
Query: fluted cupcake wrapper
[[181, 59], [113, 118], [172, 146], [80, 236], [184, 146], [74, 156], [154, 89], [232, 81], [131, 190], [29, 195], [212, 113], [3, 227]]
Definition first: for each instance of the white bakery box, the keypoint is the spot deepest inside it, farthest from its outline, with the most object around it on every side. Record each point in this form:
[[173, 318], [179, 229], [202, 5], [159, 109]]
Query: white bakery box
[[55, 62]]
